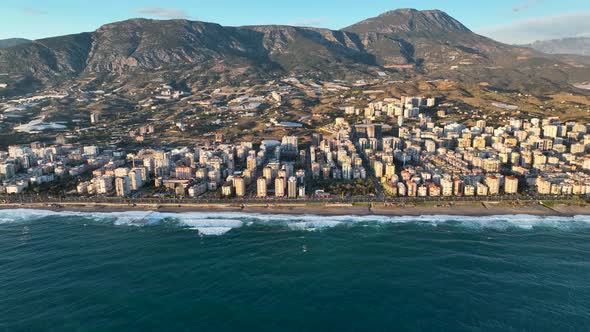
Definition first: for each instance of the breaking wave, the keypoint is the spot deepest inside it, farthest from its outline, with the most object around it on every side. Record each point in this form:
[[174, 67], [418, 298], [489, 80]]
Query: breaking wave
[[211, 223]]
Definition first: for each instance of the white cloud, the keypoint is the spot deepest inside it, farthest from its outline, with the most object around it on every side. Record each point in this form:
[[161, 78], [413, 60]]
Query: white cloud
[[526, 5], [170, 13], [542, 28]]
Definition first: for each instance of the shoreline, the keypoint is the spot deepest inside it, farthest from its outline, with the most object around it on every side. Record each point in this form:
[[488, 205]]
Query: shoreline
[[379, 209]]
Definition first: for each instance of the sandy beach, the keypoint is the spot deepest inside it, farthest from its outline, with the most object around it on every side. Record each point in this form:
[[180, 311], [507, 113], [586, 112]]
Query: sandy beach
[[464, 209]]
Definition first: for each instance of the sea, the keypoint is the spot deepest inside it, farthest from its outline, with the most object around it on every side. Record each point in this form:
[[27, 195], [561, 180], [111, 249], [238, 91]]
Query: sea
[[154, 271]]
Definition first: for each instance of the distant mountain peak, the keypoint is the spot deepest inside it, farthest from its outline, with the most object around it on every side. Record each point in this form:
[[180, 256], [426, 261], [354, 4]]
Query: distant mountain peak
[[410, 20], [570, 45]]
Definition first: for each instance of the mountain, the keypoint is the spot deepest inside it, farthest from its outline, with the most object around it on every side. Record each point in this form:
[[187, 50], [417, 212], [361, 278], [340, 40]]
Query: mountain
[[430, 38], [411, 21], [577, 46], [438, 47], [403, 43], [4, 43], [205, 52]]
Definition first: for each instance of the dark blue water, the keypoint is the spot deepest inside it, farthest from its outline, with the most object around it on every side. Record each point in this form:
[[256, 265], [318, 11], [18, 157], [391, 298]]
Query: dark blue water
[[138, 272]]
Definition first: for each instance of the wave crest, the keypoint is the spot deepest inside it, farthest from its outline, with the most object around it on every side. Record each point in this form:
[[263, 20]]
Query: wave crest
[[213, 223]]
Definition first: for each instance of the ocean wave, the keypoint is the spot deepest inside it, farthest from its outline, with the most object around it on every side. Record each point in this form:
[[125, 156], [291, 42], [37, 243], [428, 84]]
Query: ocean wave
[[313, 225], [211, 227], [208, 223]]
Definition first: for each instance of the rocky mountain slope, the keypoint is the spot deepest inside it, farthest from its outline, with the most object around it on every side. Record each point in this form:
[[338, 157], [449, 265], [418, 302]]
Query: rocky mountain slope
[[403, 43]]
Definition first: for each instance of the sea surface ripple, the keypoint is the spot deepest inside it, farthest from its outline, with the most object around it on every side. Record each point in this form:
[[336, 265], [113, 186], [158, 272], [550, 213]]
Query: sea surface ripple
[[138, 271]]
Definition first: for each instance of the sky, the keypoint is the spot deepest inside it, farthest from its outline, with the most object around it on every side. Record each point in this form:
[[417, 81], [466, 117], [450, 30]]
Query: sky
[[509, 21]]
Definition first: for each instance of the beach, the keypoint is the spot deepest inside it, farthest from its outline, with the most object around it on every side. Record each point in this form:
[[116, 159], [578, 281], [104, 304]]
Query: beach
[[488, 208]]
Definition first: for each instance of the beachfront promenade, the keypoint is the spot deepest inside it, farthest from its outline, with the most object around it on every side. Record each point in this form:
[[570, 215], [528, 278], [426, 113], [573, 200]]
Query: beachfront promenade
[[38, 199]]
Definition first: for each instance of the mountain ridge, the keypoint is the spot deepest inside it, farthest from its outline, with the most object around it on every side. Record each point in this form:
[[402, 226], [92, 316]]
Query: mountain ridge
[[402, 43], [4, 43], [408, 19]]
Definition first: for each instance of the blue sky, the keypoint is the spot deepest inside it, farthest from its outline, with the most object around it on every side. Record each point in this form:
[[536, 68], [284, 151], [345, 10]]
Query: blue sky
[[513, 21]]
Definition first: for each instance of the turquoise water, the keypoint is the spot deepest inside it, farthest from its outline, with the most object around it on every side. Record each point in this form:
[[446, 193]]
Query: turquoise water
[[237, 272]]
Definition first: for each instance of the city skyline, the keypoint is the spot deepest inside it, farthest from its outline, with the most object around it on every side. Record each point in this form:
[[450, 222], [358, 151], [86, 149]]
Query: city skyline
[[506, 21]]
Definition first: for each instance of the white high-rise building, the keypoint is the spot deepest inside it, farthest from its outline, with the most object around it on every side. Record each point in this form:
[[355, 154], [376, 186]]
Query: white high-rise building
[[289, 143], [292, 187], [511, 185], [7, 171], [135, 176], [103, 184], [378, 168], [123, 186], [240, 186], [261, 190], [280, 187], [346, 171]]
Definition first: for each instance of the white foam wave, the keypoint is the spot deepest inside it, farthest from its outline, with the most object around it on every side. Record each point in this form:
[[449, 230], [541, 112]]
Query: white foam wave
[[212, 226], [212, 231], [313, 225], [211, 223]]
